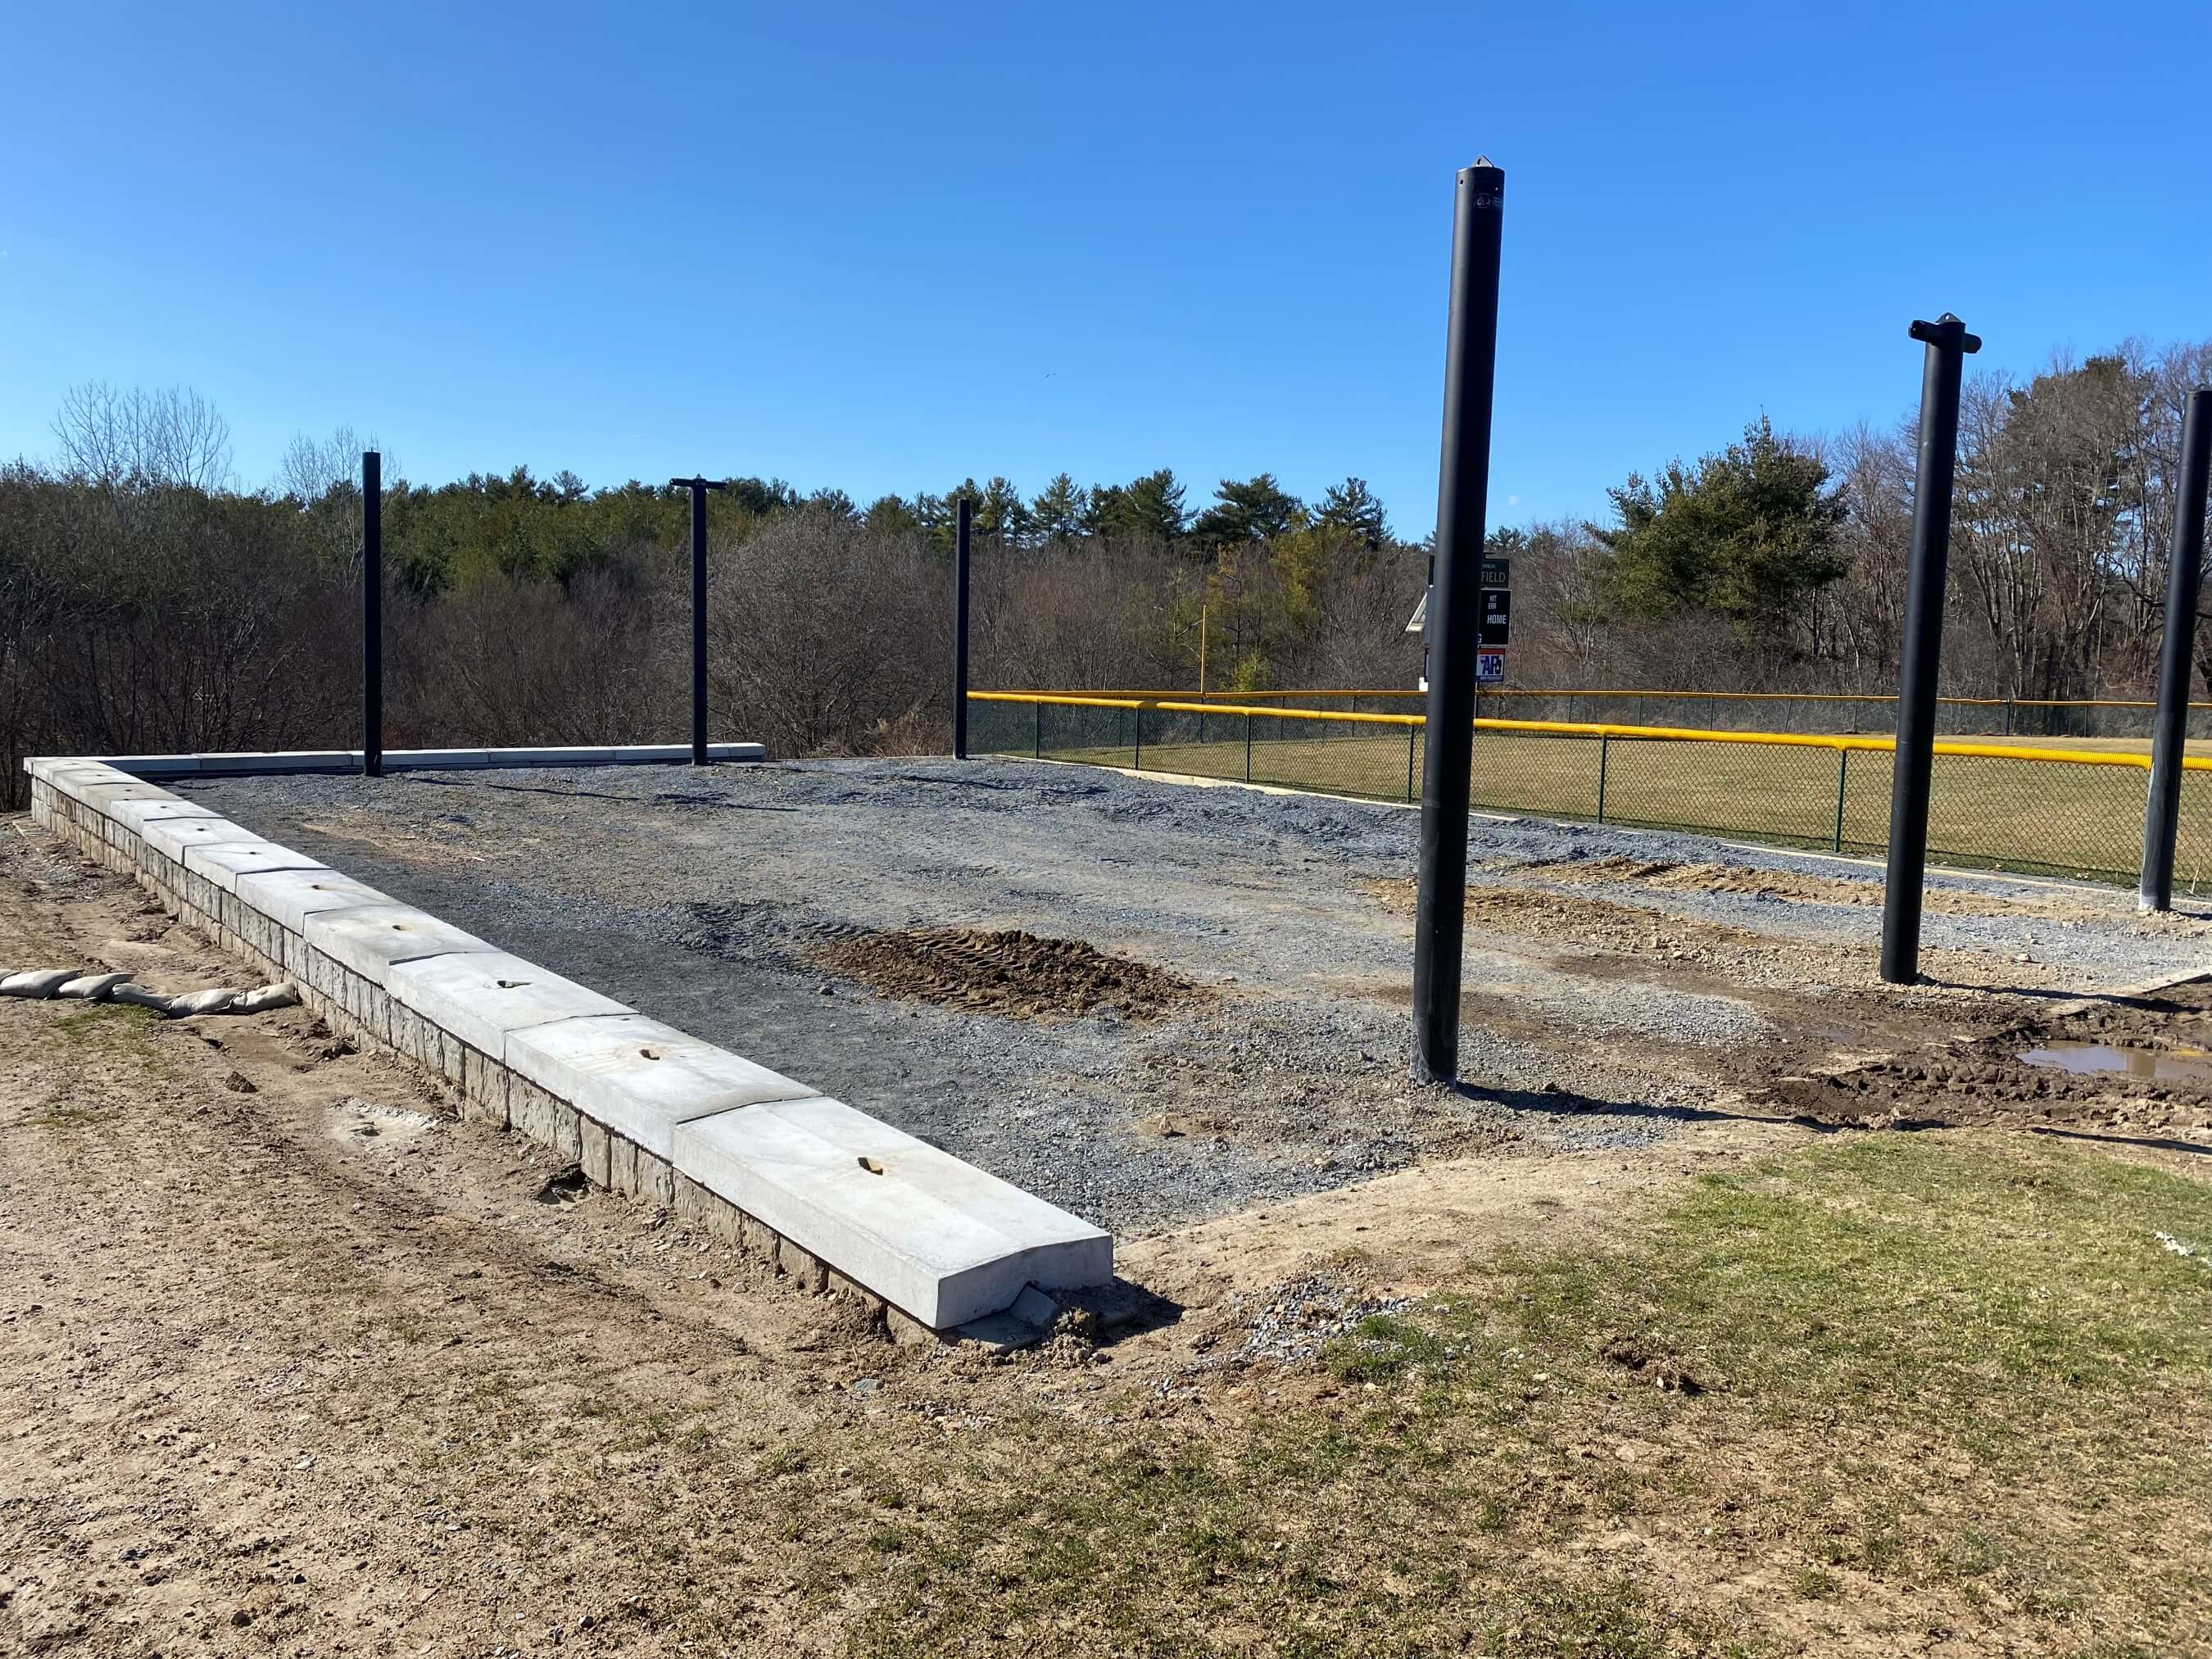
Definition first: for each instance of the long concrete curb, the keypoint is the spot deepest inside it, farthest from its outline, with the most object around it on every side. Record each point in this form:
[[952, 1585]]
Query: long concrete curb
[[279, 762], [831, 1194]]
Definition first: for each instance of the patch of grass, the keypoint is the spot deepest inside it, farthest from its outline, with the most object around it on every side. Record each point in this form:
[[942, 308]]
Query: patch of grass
[[2006, 813], [1380, 1348], [115, 1032], [1952, 1364]]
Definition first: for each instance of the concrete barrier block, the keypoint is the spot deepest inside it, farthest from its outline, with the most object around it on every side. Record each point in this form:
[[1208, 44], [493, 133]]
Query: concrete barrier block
[[481, 997], [105, 798], [226, 862], [134, 815], [640, 1077], [583, 755], [635, 753], [288, 897], [930, 1234], [154, 766], [433, 760], [370, 939], [276, 761], [174, 837]]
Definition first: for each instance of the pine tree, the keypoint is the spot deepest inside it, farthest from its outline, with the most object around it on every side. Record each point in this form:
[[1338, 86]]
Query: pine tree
[[1061, 512], [1351, 506], [1256, 510]]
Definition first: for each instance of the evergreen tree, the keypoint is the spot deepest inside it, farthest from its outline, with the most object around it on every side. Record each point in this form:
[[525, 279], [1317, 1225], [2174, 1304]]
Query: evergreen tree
[[1256, 510], [1746, 534], [1147, 508], [891, 515], [1002, 511], [1061, 512], [1351, 506]]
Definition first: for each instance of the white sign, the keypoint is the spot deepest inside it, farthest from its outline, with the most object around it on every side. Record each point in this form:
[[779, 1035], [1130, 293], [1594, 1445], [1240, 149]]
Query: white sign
[[1489, 667]]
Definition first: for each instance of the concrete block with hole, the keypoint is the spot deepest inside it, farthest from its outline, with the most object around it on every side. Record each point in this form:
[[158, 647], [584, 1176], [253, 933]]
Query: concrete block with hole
[[370, 939], [226, 862], [927, 1232], [174, 837], [639, 1078], [481, 997], [288, 897]]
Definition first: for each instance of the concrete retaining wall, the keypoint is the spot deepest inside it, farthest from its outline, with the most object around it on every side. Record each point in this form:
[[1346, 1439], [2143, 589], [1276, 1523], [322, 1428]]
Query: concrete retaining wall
[[832, 1195]]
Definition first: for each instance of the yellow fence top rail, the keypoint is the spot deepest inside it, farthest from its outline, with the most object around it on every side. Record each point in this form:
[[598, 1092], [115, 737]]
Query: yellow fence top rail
[[1591, 729], [1213, 697]]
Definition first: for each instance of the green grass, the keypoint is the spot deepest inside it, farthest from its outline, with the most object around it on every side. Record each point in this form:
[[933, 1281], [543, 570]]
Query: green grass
[[2044, 818], [1961, 1369], [118, 1032]]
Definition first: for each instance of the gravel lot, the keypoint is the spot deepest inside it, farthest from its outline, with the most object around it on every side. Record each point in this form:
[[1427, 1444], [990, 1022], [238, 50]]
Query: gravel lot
[[1617, 986]]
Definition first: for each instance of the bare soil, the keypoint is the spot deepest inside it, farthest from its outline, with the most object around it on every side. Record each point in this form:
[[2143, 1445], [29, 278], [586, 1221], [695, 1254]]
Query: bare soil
[[294, 1360], [1704, 876], [1992, 1080], [1008, 972]]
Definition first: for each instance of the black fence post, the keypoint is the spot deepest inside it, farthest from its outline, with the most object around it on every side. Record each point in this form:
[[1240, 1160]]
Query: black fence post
[[372, 613], [1462, 492], [698, 487], [2176, 655], [1943, 365], [960, 629]]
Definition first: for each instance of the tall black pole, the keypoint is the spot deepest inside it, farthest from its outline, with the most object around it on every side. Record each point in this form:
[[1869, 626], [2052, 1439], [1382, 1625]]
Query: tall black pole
[[2185, 569], [960, 630], [1462, 497], [698, 487], [1913, 767], [372, 613]]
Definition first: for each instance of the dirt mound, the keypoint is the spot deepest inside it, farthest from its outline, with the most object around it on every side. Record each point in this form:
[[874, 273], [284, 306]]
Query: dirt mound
[[1010, 972], [1627, 929], [1800, 885]]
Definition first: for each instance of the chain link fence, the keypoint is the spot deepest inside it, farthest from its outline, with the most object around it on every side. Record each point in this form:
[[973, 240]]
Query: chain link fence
[[2080, 817], [2094, 720]]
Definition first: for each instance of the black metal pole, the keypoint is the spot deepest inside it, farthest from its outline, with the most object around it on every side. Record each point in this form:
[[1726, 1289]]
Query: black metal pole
[[698, 487], [2177, 654], [1462, 497], [372, 613], [960, 629], [1913, 767]]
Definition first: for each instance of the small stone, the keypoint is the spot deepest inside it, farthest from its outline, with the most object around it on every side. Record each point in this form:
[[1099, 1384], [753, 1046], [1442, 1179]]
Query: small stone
[[241, 1619]]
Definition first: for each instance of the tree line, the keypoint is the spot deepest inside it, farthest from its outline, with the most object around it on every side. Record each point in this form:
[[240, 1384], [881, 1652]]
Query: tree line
[[149, 603]]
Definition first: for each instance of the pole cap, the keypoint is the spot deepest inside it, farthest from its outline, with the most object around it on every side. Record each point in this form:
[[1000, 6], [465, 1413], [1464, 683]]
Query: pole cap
[[1947, 333]]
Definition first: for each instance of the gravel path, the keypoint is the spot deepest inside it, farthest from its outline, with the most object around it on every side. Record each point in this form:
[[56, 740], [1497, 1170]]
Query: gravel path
[[702, 899]]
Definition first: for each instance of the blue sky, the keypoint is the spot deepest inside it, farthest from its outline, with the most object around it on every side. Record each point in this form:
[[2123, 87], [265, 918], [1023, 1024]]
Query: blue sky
[[882, 247]]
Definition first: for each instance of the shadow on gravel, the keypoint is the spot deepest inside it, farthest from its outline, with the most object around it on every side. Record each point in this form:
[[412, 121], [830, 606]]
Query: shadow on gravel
[[473, 782], [1564, 1102]]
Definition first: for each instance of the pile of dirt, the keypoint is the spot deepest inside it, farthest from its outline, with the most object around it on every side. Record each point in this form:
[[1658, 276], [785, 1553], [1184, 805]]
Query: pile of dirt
[[1800, 885], [1008, 972], [1598, 924]]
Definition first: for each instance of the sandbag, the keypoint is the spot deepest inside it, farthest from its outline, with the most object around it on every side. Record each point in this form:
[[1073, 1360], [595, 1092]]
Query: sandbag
[[93, 987], [212, 1001], [37, 983], [139, 997], [269, 996]]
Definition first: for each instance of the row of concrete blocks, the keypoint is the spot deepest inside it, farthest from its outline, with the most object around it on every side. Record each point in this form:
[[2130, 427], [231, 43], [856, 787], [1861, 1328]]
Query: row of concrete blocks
[[832, 1196], [278, 762]]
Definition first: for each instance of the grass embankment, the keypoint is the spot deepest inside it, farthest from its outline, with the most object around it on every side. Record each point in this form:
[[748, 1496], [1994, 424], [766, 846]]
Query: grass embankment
[[2045, 818], [1882, 1391]]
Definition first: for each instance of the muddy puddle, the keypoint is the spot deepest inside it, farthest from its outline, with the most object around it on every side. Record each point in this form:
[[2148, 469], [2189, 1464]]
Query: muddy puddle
[[2142, 1061], [2099, 1059]]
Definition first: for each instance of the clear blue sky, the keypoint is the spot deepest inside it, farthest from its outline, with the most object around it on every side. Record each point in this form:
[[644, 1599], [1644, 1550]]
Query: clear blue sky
[[884, 246]]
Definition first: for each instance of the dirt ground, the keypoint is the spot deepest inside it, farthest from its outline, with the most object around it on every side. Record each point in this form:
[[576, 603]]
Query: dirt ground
[[294, 1361]]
